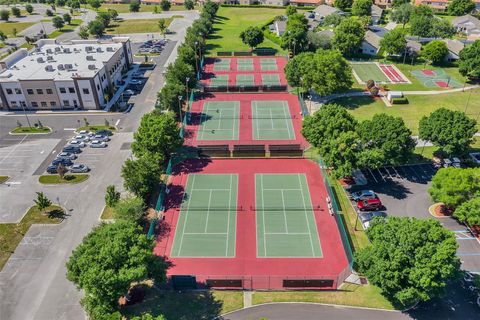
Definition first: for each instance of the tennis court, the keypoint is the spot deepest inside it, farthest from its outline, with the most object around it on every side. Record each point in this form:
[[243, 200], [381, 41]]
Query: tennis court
[[268, 64], [270, 79], [369, 70], [222, 65], [245, 64], [284, 217], [271, 120], [219, 80], [207, 221], [436, 78], [243, 80], [219, 121]]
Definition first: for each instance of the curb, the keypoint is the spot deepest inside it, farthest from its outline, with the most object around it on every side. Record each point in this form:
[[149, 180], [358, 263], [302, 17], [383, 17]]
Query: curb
[[30, 133], [431, 210]]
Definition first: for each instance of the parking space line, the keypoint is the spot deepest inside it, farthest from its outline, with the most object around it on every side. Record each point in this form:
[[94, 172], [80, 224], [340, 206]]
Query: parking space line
[[371, 173], [381, 174], [416, 176], [467, 254], [116, 123], [13, 149]]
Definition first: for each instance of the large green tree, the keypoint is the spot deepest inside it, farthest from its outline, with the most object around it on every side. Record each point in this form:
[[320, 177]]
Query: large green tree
[[58, 22], [252, 36], [343, 4], [134, 6], [96, 28], [179, 72], [469, 63], [435, 51], [411, 260], [394, 42], [362, 7], [130, 209], [454, 186], [142, 176], [452, 131], [169, 94], [402, 14], [295, 38], [348, 36], [421, 21], [460, 7], [158, 134], [333, 19], [469, 211], [442, 28], [109, 259]]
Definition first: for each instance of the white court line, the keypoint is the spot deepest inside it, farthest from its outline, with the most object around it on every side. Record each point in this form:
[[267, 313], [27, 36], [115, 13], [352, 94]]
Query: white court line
[[289, 233], [306, 217], [282, 189], [208, 211], [263, 218], [205, 233], [13, 149], [228, 217], [185, 221], [284, 213], [213, 189], [287, 123]]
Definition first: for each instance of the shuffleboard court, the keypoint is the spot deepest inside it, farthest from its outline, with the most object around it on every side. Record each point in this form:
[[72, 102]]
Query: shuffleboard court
[[222, 64], [285, 219], [245, 64], [270, 79], [268, 64], [243, 80], [207, 221], [271, 120], [220, 80], [219, 121], [368, 70]]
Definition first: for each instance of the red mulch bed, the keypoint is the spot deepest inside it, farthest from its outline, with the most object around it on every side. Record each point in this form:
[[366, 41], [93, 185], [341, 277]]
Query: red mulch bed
[[442, 211]]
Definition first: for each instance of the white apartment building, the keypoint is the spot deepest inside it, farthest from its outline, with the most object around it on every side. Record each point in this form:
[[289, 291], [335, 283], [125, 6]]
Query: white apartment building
[[76, 75]]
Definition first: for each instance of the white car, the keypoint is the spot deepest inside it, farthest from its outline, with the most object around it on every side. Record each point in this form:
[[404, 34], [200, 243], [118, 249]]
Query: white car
[[79, 168], [81, 137], [136, 82], [77, 143], [83, 132], [100, 137], [98, 144]]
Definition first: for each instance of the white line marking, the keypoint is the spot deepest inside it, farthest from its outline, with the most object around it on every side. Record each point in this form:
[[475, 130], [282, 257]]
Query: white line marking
[[185, 221], [284, 213], [116, 123], [373, 176], [69, 129], [306, 217], [13, 149], [208, 211], [263, 218], [228, 217]]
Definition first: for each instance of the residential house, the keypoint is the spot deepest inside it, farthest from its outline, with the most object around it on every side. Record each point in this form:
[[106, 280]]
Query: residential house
[[468, 25], [377, 14], [323, 10], [454, 48], [413, 47], [384, 4], [306, 3], [278, 27], [440, 5], [371, 43]]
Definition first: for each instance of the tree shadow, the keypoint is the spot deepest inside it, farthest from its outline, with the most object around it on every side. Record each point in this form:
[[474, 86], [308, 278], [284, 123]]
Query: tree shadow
[[354, 102], [57, 214], [221, 18]]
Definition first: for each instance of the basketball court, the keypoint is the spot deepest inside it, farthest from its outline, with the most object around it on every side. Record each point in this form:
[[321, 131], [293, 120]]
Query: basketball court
[[436, 78]]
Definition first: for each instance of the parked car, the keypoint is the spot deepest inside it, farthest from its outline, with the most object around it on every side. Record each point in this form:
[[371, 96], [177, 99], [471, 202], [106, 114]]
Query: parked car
[[77, 143], [72, 149], [67, 155], [83, 132], [128, 93], [475, 157], [79, 168], [99, 137], [98, 144], [64, 161], [138, 75], [136, 82], [105, 132], [367, 217], [369, 204], [52, 169], [362, 195], [81, 137]]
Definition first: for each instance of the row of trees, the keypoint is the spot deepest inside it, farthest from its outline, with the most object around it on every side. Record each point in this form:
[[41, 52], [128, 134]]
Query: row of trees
[[181, 75]]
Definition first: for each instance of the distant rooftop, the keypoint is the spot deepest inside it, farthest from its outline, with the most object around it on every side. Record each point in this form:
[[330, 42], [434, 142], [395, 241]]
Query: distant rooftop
[[61, 62]]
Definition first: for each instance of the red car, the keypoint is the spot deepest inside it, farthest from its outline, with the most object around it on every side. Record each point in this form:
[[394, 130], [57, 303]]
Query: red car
[[369, 204]]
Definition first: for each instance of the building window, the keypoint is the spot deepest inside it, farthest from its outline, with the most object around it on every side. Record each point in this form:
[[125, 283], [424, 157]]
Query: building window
[[85, 91], [62, 90], [34, 105], [71, 90], [98, 87], [66, 103], [44, 104], [23, 104], [53, 104], [18, 91], [75, 104], [30, 91], [9, 91], [13, 104], [39, 91], [49, 91]]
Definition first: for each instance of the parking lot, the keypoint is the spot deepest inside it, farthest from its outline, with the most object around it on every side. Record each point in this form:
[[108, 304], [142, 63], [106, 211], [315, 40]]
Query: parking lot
[[403, 191]]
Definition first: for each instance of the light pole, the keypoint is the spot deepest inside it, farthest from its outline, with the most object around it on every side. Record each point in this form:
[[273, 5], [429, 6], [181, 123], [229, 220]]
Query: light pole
[[186, 88], [180, 108], [26, 116], [196, 58]]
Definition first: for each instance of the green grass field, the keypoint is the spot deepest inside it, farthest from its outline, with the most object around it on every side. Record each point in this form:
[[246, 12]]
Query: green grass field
[[230, 22], [30, 130], [367, 71], [125, 7], [66, 28], [135, 26], [7, 27], [364, 108]]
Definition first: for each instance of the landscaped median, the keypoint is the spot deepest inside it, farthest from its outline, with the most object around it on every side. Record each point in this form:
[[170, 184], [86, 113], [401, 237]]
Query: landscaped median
[[12, 233], [108, 213], [66, 28], [4, 179], [31, 130], [137, 25], [95, 128], [68, 178]]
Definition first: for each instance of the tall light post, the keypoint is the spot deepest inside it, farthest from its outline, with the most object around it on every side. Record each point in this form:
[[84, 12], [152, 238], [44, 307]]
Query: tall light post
[[180, 108], [26, 116], [186, 88], [196, 58]]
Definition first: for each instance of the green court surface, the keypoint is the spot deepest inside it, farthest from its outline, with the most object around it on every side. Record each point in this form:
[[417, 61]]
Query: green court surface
[[219, 121], [221, 65], [245, 64], [271, 120], [369, 70], [270, 79], [268, 64], [220, 80], [244, 80], [284, 217], [436, 78], [207, 222]]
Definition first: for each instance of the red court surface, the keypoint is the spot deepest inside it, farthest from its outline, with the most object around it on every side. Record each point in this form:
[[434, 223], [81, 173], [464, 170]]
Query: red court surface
[[391, 73], [442, 84], [253, 272], [429, 73], [245, 123]]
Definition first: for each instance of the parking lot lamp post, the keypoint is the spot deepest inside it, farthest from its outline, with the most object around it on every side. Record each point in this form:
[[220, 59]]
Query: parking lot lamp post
[[180, 108], [26, 116], [186, 88], [196, 57]]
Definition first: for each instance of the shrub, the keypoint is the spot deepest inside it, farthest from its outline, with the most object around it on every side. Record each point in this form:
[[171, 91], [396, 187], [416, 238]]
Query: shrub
[[403, 100]]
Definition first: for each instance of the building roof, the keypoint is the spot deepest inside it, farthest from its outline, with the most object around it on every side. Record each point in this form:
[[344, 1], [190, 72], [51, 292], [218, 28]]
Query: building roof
[[373, 39], [466, 19], [455, 46], [376, 11], [414, 46], [280, 26], [323, 10], [327, 32], [61, 62], [314, 2]]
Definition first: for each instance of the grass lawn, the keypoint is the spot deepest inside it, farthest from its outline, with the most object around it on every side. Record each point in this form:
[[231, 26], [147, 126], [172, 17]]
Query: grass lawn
[[27, 46], [7, 27], [3, 179], [125, 7], [108, 213], [69, 178], [66, 28], [423, 154], [364, 108], [187, 305], [96, 128], [350, 294], [28, 130], [135, 26], [230, 22], [12, 233]]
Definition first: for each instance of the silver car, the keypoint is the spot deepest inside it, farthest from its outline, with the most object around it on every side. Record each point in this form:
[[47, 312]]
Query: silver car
[[77, 143], [100, 137], [79, 168], [98, 144], [67, 155], [81, 137]]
